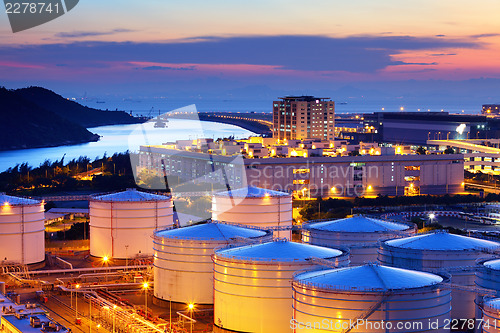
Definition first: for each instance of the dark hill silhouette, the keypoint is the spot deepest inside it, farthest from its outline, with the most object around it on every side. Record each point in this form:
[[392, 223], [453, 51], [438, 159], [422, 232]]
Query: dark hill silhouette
[[24, 124], [72, 111]]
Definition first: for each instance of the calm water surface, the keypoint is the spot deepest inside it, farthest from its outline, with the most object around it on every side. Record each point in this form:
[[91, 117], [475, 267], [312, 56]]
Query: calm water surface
[[119, 138]]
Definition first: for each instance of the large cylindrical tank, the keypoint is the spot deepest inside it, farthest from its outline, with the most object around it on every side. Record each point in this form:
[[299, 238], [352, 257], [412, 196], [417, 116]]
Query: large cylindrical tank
[[252, 291], [122, 224], [377, 298], [491, 316], [359, 233], [487, 277], [488, 274], [22, 239], [256, 207], [183, 267], [441, 251]]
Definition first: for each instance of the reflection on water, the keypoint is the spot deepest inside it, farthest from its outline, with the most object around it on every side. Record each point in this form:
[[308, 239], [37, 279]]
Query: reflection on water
[[119, 138]]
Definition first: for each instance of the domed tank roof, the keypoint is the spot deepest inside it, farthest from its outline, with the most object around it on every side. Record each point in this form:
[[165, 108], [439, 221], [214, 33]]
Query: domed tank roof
[[493, 264], [493, 303], [357, 223], [14, 201], [279, 250], [211, 231], [251, 192], [131, 194], [442, 240], [368, 277]]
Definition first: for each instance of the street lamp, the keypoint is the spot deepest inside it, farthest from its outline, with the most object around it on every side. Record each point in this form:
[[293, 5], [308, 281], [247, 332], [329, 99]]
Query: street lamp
[[191, 308], [431, 217], [90, 315], [105, 260], [76, 301], [145, 286], [114, 317]]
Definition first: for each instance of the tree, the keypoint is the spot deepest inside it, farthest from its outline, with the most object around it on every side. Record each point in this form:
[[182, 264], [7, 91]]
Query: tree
[[421, 150], [449, 150]]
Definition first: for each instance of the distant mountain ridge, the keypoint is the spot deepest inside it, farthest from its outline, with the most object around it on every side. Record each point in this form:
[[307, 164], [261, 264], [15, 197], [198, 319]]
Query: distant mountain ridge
[[36, 117], [72, 111]]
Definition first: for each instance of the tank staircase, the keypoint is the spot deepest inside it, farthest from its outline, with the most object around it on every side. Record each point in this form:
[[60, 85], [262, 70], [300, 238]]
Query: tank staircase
[[365, 315]]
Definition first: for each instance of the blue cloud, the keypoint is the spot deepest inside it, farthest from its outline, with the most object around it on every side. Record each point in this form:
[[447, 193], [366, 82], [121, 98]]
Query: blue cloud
[[166, 68], [80, 34], [361, 54]]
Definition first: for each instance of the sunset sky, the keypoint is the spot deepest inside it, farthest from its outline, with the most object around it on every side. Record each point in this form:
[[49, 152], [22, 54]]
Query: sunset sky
[[191, 48]]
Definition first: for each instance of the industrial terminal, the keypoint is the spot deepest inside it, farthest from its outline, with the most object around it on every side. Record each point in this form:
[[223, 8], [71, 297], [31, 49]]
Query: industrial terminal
[[305, 230]]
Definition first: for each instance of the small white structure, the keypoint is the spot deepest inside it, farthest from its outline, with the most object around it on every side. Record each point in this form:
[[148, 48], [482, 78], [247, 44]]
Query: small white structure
[[332, 300], [22, 239], [122, 224], [491, 316], [257, 207], [252, 290], [441, 252], [358, 233], [183, 267]]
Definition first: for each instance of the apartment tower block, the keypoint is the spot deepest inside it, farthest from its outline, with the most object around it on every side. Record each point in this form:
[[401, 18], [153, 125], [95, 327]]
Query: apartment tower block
[[303, 117]]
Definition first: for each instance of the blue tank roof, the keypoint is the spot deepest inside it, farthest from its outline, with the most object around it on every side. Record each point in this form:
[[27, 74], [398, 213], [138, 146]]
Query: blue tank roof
[[252, 192], [493, 264], [494, 304], [279, 250], [369, 277], [211, 231], [13, 201], [357, 223], [442, 240], [131, 194]]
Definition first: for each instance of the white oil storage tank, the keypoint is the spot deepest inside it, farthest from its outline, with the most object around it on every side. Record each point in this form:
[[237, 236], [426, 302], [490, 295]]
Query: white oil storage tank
[[255, 206], [370, 298], [487, 277], [491, 316], [488, 274], [252, 291], [183, 267], [122, 223], [22, 238], [358, 233], [441, 251]]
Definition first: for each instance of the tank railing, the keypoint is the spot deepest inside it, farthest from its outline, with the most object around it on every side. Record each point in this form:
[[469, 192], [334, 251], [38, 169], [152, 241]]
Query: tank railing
[[495, 251], [325, 262], [159, 238], [242, 241], [481, 261], [462, 215], [96, 196], [259, 260], [332, 287], [456, 269], [449, 253], [471, 289], [233, 245], [410, 224]]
